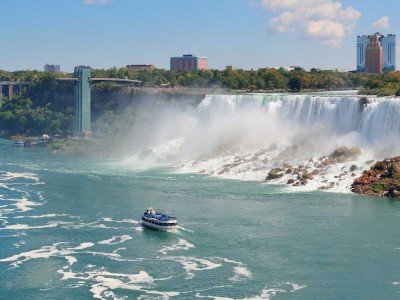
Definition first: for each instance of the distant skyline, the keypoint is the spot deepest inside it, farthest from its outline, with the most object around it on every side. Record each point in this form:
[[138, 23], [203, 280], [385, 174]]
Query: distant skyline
[[244, 33]]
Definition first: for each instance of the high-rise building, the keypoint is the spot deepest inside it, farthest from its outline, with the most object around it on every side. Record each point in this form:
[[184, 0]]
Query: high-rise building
[[388, 44], [52, 68], [188, 62], [373, 55], [389, 52], [362, 42]]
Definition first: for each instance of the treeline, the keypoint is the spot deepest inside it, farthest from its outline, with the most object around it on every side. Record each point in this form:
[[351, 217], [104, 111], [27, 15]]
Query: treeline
[[263, 79], [386, 84], [46, 106]]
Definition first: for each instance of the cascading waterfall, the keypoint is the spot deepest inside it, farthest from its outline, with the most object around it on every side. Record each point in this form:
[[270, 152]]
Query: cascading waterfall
[[243, 136], [373, 120], [381, 120]]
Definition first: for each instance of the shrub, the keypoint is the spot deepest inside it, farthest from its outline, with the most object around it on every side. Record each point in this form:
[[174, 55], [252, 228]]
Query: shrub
[[391, 188], [378, 187]]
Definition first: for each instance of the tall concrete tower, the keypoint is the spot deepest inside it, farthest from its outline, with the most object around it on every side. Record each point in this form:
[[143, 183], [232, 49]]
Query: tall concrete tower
[[373, 55], [82, 100]]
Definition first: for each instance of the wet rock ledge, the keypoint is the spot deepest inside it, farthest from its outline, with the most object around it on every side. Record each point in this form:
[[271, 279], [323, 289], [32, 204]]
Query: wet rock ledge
[[383, 179]]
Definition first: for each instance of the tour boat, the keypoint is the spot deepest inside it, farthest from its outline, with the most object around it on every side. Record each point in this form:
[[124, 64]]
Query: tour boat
[[19, 143], [158, 221]]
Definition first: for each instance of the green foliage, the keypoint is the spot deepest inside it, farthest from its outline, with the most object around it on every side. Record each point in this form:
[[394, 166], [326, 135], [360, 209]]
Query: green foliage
[[20, 116], [391, 188], [378, 187], [385, 84], [295, 84]]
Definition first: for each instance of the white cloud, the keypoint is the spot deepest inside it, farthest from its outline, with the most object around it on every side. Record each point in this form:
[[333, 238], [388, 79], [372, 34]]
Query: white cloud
[[382, 23], [324, 20], [96, 1]]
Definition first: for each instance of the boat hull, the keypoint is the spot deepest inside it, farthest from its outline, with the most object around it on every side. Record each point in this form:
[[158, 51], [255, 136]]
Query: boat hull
[[157, 227]]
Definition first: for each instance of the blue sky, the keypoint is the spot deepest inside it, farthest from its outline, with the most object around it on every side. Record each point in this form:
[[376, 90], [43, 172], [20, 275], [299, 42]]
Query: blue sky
[[243, 33]]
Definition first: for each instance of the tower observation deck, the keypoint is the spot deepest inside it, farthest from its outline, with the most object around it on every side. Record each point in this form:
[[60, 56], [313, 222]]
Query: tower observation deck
[[82, 99]]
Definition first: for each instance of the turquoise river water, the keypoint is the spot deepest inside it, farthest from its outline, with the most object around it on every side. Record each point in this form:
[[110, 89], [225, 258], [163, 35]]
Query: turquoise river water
[[70, 229]]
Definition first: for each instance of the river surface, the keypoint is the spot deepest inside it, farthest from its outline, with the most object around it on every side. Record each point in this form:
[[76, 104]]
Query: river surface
[[70, 229]]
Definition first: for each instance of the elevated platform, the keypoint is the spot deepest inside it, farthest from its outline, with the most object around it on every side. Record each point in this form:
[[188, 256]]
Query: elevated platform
[[98, 80]]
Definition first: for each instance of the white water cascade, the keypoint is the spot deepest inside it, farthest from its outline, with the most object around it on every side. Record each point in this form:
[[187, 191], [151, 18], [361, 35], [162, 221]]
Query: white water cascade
[[373, 118], [243, 136]]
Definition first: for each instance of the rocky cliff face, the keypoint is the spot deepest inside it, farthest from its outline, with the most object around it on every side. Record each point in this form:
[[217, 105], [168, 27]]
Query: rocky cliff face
[[383, 179]]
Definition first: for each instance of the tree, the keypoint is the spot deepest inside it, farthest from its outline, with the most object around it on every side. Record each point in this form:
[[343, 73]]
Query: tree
[[295, 83]]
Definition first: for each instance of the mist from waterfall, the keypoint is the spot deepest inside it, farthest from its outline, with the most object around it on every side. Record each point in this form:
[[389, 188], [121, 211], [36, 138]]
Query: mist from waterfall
[[316, 124]]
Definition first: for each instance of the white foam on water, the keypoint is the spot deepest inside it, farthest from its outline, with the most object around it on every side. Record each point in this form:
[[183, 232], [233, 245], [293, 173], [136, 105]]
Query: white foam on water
[[240, 273], [83, 246], [266, 293], [26, 227], [44, 216], [336, 178], [180, 245], [91, 225], [68, 275], [10, 175], [71, 260], [55, 250], [191, 264], [184, 229], [107, 219], [396, 282], [295, 286], [115, 240], [43, 252], [24, 204], [107, 281], [240, 270], [130, 221], [105, 254], [19, 244], [198, 295]]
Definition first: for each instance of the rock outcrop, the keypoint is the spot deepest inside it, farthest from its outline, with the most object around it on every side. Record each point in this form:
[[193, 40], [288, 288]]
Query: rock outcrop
[[383, 179]]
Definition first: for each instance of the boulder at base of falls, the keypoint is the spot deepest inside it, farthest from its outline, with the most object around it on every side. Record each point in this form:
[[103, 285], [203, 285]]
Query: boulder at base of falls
[[348, 153], [383, 179], [275, 174]]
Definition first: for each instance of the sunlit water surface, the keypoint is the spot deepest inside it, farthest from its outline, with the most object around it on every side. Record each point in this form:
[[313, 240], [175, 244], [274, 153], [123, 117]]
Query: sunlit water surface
[[70, 229]]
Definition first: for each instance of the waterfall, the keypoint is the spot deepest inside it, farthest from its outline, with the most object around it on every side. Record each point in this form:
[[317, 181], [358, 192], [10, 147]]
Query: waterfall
[[373, 121], [244, 136]]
